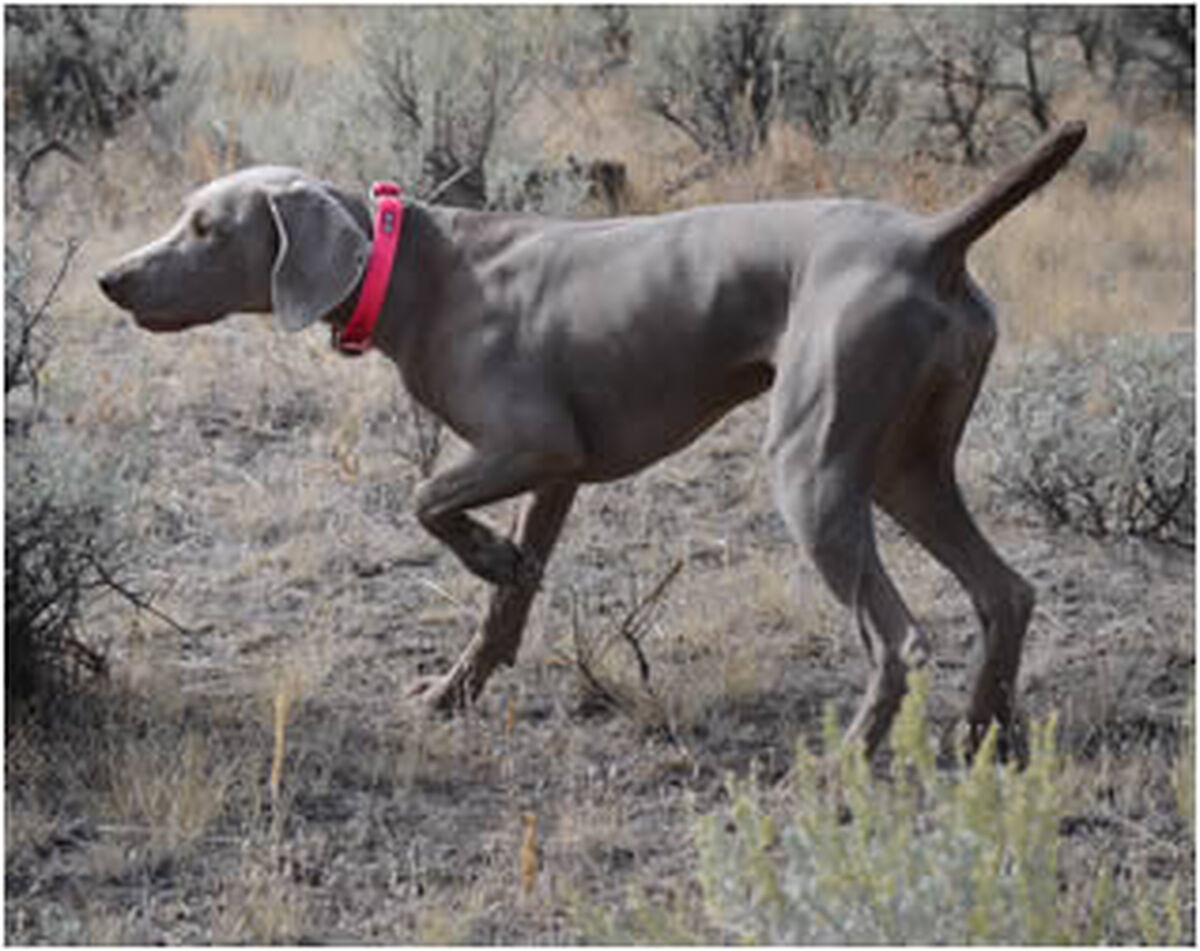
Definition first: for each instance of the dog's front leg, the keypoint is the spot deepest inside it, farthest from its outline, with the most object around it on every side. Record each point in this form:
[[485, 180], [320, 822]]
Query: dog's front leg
[[481, 479], [500, 637]]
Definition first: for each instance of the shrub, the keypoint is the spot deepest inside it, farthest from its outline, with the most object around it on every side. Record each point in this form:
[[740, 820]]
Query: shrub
[[836, 74], [954, 65], [713, 73], [927, 855], [1153, 51], [63, 540], [448, 80], [26, 343], [50, 560], [73, 73], [722, 75], [550, 189], [1099, 437], [1122, 155]]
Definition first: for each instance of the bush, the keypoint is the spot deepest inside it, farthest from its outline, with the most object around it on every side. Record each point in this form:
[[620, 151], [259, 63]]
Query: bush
[[960, 102], [713, 73], [928, 850], [26, 342], [1123, 154], [63, 537], [55, 552], [1099, 437], [448, 80], [836, 74], [967, 855], [73, 73], [555, 190], [1153, 53], [722, 75]]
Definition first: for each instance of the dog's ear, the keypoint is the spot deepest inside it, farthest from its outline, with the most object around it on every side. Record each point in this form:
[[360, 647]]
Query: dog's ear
[[322, 254]]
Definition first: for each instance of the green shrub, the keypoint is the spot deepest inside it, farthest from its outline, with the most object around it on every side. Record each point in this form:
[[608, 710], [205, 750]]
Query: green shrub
[[927, 855], [1099, 436], [927, 858]]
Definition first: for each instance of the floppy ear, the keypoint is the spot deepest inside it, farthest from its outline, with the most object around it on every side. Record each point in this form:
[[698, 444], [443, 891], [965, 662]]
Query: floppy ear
[[322, 254]]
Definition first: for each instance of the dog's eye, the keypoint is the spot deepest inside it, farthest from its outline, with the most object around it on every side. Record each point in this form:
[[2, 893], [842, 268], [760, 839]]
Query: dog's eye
[[202, 225]]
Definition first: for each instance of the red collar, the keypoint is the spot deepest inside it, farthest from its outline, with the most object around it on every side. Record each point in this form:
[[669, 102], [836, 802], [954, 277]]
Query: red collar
[[355, 337]]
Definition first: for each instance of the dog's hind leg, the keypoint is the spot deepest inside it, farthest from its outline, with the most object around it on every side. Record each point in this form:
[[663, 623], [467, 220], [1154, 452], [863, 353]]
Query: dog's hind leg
[[830, 416], [834, 524], [919, 490]]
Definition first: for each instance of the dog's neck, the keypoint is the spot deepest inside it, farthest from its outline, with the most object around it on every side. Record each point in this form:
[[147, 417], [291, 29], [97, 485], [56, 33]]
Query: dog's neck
[[407, 327], [414, 316]]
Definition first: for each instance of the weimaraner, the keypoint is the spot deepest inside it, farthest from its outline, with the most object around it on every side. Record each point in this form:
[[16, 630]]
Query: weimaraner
[[571, 352]]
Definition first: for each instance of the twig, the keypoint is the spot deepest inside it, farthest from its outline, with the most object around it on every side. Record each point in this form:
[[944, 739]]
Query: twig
[[438, 589], [638, 619], [28, 323], [133, 597], [72, 248], [631, 629], [446, 185], [54, 145]]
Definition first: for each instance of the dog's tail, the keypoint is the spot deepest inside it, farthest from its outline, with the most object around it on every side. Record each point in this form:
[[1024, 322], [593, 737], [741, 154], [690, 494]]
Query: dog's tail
[[954, 231]]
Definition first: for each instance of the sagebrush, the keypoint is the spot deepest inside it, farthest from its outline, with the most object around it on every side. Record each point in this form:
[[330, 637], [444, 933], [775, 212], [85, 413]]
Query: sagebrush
[[75, 73], [929, 854], [64, 537], [1098, 436]]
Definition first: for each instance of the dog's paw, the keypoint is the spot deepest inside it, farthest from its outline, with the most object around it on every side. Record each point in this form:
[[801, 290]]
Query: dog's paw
[[1012, 740], [436, 695]]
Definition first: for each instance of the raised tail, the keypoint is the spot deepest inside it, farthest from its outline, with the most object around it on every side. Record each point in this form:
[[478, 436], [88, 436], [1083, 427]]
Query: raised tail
[[954, 231]]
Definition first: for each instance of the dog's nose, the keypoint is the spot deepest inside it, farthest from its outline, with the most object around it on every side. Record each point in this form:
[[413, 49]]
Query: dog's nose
[[110, 284]]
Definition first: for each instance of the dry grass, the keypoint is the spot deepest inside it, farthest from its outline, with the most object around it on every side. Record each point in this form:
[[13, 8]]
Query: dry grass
[[168, 793], [1127, 262]]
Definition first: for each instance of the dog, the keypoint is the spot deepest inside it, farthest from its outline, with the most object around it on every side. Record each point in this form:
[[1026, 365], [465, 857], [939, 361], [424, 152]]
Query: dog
[[574, 352]]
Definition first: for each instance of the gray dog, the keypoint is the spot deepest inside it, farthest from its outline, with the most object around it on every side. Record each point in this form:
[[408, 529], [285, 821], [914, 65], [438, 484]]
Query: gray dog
[[566, 353]]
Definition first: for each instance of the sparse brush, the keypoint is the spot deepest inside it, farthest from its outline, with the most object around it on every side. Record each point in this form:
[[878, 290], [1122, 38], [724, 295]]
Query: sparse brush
[[64, 540], [1099, 436]]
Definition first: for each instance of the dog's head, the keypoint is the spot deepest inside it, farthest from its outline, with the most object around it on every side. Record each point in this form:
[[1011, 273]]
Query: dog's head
[[260, 240]]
